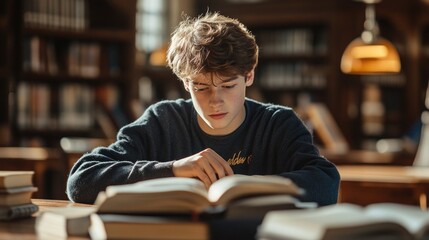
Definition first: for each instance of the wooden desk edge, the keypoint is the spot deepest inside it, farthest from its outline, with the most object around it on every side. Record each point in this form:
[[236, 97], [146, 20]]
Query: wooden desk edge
[[57, 203]]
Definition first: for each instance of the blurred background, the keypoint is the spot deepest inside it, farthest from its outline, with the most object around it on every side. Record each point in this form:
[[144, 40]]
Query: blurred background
[[73, 72]]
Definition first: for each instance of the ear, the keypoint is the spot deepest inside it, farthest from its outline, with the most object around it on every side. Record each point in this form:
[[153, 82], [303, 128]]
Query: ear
[[249, 78]]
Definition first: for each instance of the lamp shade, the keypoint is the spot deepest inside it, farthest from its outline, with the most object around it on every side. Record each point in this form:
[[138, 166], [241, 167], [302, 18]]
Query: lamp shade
[[376, 57]]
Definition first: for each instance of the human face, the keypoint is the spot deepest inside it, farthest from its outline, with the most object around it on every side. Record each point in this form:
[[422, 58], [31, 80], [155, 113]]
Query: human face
[[219, 101]]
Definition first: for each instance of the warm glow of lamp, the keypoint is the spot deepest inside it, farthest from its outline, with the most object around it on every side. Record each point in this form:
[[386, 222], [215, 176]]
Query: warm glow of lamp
[[370, 53], [375, 58]]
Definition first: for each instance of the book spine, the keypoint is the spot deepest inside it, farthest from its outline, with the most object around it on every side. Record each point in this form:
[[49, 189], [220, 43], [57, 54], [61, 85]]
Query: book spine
[[19, 211]]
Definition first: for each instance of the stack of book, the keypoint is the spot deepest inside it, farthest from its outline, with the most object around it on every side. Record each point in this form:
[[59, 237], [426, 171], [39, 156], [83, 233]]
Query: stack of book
[[63, 222], [177, 208], [16, 189]]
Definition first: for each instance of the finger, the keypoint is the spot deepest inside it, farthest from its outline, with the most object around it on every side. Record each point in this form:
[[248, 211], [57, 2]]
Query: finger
[[227, 169], [220, 165], [219, 168], [208, 169], [204, 178], [215, 162]]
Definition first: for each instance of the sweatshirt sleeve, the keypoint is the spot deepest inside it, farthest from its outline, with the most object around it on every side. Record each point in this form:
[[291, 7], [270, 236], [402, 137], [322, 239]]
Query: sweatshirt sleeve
[[300, 160], [125, 161]]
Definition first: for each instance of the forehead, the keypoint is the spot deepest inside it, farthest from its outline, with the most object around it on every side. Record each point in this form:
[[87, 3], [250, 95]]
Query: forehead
[[209, 78]]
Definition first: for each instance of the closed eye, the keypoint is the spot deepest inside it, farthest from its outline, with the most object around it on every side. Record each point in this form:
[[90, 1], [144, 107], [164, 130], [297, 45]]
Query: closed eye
[[229, 86], [196, 89]]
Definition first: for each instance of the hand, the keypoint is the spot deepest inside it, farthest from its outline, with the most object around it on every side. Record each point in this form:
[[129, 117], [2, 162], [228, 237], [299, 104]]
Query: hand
[[206, 165]]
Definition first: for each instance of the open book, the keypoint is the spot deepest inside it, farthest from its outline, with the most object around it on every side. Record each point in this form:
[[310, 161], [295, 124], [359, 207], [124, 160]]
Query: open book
[[188, 195], [348, 221]]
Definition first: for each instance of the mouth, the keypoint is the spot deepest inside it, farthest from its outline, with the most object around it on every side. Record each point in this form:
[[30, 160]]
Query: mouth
[[217, 115]]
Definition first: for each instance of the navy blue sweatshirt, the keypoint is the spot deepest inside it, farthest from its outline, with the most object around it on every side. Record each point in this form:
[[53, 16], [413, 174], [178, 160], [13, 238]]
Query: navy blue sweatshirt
[[271, 140]]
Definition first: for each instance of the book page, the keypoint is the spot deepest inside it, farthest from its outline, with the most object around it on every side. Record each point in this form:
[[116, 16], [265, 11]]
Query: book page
[[236, 186], [307, 224], [70, 212], [163, 183], [340, 221], [258, 206], [411, 217], [170, 195]]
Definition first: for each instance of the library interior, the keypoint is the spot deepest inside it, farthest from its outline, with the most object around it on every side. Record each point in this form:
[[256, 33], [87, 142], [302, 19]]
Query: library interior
[[73, 72]]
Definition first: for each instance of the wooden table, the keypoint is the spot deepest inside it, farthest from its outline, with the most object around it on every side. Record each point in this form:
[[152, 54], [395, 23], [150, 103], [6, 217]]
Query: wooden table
[[24, 229], [367, 157], [365, 184], [416, 179]]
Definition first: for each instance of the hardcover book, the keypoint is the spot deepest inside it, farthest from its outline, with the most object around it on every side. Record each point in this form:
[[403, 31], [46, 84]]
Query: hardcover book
[[118, 226], [347, 221], [12, 179], [16, 196], [188, 195]]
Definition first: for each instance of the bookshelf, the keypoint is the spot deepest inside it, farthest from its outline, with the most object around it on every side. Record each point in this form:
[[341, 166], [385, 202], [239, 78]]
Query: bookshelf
[[74, 57], [166, 84], [293, 61], [5, 63]]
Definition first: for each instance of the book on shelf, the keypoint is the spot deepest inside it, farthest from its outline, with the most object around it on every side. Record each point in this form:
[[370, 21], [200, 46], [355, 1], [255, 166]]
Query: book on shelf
[[347, 221], [12, 179], [178, 195], [51, 14], [83, 59], [63, 222], [117, 226], [76, 106]]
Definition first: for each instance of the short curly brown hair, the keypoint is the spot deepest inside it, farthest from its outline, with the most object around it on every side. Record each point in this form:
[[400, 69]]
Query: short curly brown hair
[[212, 43]]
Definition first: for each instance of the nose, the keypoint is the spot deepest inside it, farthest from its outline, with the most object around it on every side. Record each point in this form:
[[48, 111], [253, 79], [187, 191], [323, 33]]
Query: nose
[[215, 96]]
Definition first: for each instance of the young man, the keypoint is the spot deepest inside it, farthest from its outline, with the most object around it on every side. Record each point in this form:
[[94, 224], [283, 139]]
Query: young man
[[216, 133]]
